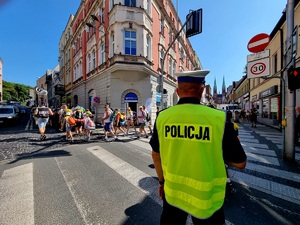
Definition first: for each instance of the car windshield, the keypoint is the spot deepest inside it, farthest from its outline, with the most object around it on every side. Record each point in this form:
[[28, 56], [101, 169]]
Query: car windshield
[[6, 110]]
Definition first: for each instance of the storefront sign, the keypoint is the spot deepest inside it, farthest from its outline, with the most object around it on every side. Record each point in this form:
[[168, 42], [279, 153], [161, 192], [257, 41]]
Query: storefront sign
[[131, 97], [270, 91], [254, 97]]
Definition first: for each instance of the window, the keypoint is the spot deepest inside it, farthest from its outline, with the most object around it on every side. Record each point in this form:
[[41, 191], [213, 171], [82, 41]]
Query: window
[[130, 42], [94, 60], [130, 3], [102, 15], [75, 74], [170, 37], [111, 5], [170, 66], [148, 6], [161, 57], [174, 68], [181, 54], [89, 62], [162, 26], [265, 108], [112, 45], [148, 47], [102, 58], [275, 63]]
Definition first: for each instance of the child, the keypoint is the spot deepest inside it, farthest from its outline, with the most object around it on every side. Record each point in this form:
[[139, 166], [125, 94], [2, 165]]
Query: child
[[88, 125], [68, 126]]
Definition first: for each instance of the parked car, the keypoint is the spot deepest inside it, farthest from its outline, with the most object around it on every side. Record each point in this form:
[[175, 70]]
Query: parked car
[[9, 114]]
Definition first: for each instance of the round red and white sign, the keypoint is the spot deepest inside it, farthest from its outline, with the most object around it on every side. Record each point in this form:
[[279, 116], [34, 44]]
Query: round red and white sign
[[258, 43], [258, 68]]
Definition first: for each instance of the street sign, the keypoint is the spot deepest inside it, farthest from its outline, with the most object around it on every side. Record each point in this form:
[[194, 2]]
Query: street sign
[[194, 23], [258, 68], [258, 43], [259, 55]]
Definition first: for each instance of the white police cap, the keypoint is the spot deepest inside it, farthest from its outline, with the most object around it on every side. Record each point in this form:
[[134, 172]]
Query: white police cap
[[196, 76]]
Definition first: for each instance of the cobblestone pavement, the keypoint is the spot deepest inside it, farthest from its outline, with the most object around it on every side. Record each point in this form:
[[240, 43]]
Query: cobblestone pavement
[[24, 138]]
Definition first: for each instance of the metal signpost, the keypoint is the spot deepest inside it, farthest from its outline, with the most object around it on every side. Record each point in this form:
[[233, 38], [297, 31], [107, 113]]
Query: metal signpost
[[194, 21]]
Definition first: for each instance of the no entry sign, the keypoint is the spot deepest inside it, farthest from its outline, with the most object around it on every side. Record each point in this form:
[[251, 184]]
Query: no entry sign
[[258, 43]]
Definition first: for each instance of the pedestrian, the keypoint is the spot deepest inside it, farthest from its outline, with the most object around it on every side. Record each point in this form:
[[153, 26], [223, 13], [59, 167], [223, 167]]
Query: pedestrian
[[107, 120], [228, 114], [68, 121], [62, 114], [141, 119], [43, 114], [78, 114], [130, 120], [242, 115], [119, 122], [253, 115], [190, 144], [297, 128], [89, 125], [148, 119]]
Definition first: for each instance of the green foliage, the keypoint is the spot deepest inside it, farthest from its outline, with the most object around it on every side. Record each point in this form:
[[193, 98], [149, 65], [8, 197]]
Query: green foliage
[[14, 91]]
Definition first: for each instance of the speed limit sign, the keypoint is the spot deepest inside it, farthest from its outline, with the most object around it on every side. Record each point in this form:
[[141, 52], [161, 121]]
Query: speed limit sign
[[258, 68]]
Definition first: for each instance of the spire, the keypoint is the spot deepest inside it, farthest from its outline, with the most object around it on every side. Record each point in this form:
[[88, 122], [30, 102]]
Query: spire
[[215, 87], [223, 87]]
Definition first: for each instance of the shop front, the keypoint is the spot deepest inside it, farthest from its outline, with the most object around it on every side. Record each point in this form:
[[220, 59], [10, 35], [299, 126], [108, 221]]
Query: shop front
[[269, 100]]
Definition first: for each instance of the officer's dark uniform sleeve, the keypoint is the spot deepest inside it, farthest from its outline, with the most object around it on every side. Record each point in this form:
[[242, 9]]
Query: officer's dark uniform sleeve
[[154, 140], [232, 148]]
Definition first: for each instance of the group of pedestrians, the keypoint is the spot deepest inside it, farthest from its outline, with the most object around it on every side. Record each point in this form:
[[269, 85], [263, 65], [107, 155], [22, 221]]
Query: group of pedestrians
[[115, 120]]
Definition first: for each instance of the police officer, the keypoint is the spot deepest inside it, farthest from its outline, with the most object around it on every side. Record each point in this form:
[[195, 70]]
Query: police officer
[[190, 143]]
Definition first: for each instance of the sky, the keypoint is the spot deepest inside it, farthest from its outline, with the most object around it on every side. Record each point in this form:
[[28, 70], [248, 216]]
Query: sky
[[31, 30]]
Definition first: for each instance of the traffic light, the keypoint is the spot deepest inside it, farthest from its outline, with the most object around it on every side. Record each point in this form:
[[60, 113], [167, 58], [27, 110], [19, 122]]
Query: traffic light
[[294, 78]]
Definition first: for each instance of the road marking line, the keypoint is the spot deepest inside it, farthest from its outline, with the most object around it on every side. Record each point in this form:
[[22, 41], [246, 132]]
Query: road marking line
[[278, 190], [16, 194], [132, 174]]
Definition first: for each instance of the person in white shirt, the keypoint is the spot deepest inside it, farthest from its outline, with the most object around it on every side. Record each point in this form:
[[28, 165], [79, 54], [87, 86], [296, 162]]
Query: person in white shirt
[[141, 119], [108, 123], [148, 121], [130, 121]]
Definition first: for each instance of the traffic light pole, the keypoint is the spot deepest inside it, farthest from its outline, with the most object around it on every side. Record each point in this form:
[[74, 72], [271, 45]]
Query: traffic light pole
[[161, 76], [289, 132]]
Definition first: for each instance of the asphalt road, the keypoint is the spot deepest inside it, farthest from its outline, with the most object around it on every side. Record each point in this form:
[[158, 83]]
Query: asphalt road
[[54, 182]]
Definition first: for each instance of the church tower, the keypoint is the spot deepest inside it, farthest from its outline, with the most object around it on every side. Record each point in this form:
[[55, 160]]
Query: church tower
[[223, 91], [215, 89]]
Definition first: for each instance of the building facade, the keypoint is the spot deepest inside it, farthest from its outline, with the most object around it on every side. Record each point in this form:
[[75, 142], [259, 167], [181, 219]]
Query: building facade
[[114, 51], [267, 94]]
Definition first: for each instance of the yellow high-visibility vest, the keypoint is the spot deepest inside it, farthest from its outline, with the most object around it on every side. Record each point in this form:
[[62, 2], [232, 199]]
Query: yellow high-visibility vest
[[190, 142]]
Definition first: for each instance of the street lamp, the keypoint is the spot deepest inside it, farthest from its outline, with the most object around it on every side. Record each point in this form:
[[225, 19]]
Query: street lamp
[[161, 76], [92, 26]]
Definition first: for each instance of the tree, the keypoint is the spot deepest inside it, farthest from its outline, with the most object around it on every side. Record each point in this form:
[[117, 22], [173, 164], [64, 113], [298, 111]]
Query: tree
[[14, 91]]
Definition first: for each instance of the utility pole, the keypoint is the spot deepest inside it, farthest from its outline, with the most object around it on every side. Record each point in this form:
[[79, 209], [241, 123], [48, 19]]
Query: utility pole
[[289, 131]]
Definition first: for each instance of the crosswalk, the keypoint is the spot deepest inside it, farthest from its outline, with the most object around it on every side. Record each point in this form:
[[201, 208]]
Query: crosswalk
[[111, 182], [263, 171]]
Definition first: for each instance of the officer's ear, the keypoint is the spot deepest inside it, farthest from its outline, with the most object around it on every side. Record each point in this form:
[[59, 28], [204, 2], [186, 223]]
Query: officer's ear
[[177, 91], [201, 90]]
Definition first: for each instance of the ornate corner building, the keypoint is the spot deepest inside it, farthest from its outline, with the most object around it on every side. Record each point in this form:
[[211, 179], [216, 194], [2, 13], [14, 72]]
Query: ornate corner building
[[114, 51]]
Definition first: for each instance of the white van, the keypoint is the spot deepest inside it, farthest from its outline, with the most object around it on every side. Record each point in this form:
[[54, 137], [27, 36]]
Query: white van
[[9, 114]]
